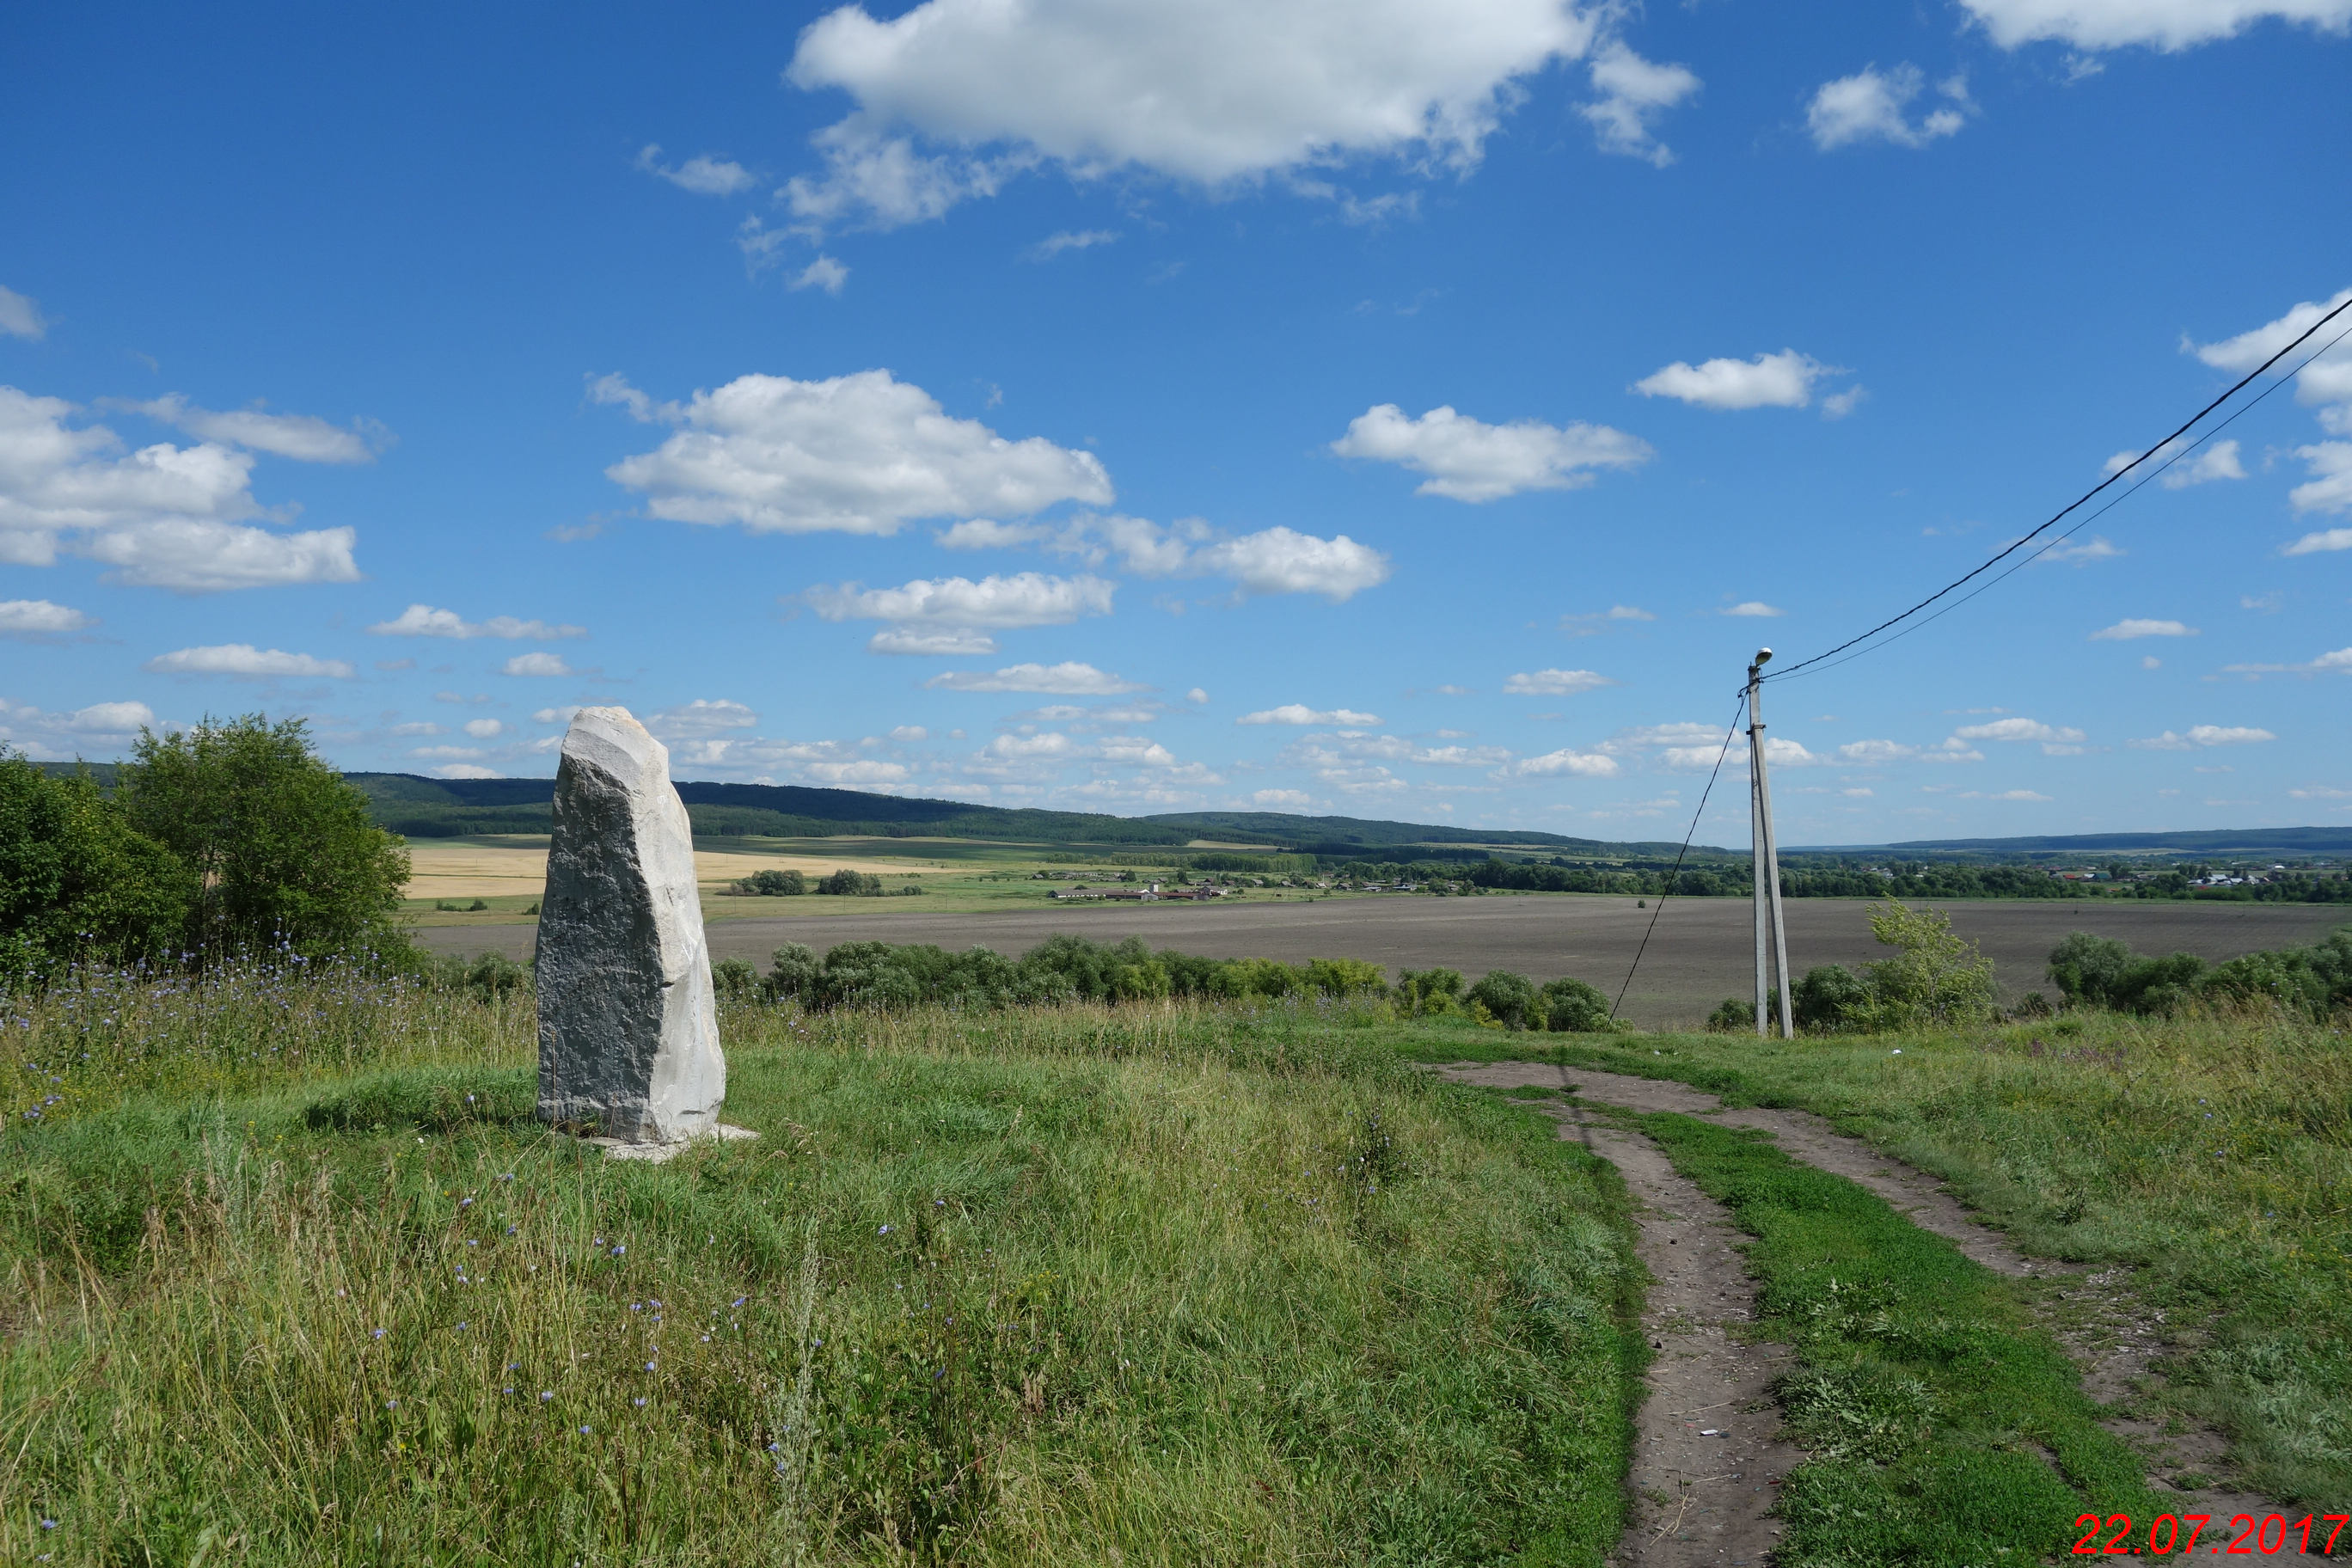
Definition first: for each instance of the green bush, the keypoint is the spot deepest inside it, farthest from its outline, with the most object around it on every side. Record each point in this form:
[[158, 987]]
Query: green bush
[[2100, 972], [733, 980], [773, 884], [846, 883], [78, 882], [1511, 999], [1429, 992], [1830, 1000], [1573, 1007]]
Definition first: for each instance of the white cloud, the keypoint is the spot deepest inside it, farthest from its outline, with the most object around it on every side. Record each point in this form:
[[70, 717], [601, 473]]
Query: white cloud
[[2203, 735], [561, 715], [1066, 679], [1873, 753], [252, 663], [2135, 626], [1299, 713], [908, 734], [1281, 799], [2096, 548], [1629, 612], [483, 729], [466, 771], [299, 436], [163, 516], [1873, 105], [2325, 382], [862, 774], [2218, 461], [824, 273], [951, 642], [1634, 92], [1023, 599], [1282, 560], [854, 454], [702, 174], [19, 317], [536, 664], [1030, 748], [60, 737], [1784, 380], [1470, 460], [2327, 539], [987, 534], [1581, 764], [2012, 730], [1196, 695], [1752, 607], [1053, 245], [1554, 682], [2002, 795], [701, 718], [1214, 92], [1838, 404], [425, 621], [35, 619], [2167, 25]]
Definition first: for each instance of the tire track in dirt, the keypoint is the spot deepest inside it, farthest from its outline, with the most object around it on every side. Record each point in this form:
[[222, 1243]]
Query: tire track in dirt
[[2109, 1338]]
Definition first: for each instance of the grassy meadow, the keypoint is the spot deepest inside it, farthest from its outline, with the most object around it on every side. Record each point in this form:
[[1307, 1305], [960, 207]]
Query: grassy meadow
[[2212, 1155], [292, 1276]]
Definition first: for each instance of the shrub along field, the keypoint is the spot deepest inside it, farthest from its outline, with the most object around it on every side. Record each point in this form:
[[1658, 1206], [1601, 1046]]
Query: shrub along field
[[294, 1276]]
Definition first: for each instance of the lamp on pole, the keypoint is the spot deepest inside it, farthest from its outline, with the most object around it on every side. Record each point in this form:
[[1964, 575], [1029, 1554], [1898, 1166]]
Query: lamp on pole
[[1771, 931]]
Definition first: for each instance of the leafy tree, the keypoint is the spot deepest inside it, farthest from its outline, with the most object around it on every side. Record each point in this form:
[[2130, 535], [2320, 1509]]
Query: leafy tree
[[1430, 992], [847, 883], [1935, 977], [273, 846], [76, 880], [774, 884], [1343, 977], [793, 973], [1732, 1016]]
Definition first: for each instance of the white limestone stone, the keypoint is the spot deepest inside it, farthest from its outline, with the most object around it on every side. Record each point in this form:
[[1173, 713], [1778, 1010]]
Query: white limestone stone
[[628, 1029]]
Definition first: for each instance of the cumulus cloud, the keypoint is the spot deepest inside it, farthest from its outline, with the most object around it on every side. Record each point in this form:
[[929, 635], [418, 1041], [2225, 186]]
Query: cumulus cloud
[[1634, 93], [60, 737], [2057, 741], [484, 729], [1578, 764], [2133, 628], [1752, 607], [1069, 678], [163, 516], [297, 436], [702, 174], [245, 660], [2326, 538], [1872, 753], [824, 273], [1023, 599], [2002, 795], [35, 620], [2324, 383], [2168, 24], [1213, 94], [536, 664], [1299, 713], [466, 771], [19, 317], [2096, 548], [1281, 799], [1784, 380], [1873, 105], [1272, 561], [854, 454], [2202, 735], [951, 642], [425, 621], [1470, 460], [1554, 682]]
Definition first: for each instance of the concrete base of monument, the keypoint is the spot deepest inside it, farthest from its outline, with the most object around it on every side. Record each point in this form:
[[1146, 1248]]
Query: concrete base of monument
[[654, 1154]]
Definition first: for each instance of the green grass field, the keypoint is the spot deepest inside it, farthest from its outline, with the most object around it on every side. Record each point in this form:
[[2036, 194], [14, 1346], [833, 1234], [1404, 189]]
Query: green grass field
[[294, 1278]]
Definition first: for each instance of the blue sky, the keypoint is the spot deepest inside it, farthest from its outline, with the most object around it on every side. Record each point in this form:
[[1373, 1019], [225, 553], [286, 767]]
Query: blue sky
[[1408, 409]]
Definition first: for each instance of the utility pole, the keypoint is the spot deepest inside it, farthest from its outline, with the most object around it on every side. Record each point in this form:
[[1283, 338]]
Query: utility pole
[[1771, 931]]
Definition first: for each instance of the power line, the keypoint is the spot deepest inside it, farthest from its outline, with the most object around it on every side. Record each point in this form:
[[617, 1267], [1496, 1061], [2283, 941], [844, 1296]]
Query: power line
[[1676, 875], [2078, 501], [2056, 540]]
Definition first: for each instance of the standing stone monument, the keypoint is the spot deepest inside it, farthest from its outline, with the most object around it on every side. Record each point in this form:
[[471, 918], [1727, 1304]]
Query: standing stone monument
[[628, 1031]]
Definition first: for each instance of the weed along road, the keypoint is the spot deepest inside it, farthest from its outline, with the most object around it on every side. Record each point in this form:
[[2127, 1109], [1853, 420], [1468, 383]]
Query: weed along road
[[1700, 955]]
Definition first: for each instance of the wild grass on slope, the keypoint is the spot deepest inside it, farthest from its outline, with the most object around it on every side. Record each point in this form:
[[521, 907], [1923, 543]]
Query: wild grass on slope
[[1193, 1287], [2212, 1155]]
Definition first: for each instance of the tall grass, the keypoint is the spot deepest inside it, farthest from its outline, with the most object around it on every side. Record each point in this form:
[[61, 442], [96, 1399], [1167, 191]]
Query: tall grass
[[292, 1276], [2211, 1153]]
